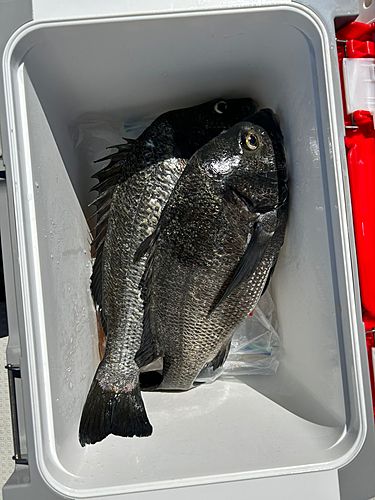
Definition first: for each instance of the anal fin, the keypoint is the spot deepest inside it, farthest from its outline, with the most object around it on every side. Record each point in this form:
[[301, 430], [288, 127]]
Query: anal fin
[[148, 350], [220, 357]]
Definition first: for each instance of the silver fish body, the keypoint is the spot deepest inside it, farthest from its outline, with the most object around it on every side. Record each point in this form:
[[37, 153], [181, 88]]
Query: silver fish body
[[150, 168], [122, 303], [214, 249]]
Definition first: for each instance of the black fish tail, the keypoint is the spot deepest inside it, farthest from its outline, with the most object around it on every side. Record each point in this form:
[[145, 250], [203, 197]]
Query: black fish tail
[[109, 412]]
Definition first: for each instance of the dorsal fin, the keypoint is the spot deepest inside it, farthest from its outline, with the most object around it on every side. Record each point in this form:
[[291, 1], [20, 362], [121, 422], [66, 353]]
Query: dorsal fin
[[109, 177]]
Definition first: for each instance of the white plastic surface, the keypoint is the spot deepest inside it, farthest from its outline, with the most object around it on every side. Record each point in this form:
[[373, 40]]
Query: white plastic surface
[[366, 11], [322, 485], [71, 9], [309, 416], [359, 80]]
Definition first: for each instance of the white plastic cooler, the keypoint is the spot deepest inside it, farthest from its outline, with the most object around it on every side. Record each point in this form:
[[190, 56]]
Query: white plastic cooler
[[307, 431]]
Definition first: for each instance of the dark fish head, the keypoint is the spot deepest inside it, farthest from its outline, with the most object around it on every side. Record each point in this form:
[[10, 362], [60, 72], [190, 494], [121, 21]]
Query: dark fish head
[[195, 126], [248, 162], [269, 121]]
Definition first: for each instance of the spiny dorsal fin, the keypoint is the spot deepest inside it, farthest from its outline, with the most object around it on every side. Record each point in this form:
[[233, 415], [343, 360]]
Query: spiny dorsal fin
[[103, 208], [107, 172], [106, 183], [104, 196], [109, 177]]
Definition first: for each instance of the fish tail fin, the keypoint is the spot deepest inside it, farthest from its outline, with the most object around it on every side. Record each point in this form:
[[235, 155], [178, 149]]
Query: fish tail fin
[[109, 412]]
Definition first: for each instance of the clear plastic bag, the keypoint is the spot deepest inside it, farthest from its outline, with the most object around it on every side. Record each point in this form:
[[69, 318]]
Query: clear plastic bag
[[255, 348]]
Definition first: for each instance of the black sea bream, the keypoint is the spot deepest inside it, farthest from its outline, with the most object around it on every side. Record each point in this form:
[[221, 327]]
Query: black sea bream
[[214, 249]]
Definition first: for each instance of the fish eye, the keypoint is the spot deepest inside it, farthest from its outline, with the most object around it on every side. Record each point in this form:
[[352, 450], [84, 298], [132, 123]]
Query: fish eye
[[251, 141], [220, 107]]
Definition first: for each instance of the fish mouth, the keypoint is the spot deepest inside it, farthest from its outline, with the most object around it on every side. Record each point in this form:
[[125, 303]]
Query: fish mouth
[[270, 123]]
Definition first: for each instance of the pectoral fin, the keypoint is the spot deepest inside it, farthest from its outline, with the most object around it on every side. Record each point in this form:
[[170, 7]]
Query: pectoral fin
[[252, 257], [148, 350]]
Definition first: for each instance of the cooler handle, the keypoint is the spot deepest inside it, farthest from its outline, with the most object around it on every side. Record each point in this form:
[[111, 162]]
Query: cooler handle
[[13, 373]]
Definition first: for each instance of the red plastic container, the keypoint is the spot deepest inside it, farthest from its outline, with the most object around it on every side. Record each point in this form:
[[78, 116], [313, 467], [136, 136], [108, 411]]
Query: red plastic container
[[357, 41]]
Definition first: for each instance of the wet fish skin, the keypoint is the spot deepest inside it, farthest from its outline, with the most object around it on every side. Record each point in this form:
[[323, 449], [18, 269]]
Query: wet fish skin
[[150, 168], [216, 243]]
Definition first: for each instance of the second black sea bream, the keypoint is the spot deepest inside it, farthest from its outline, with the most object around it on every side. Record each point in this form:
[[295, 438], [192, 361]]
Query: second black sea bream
[[133, 190], [214, 249]]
